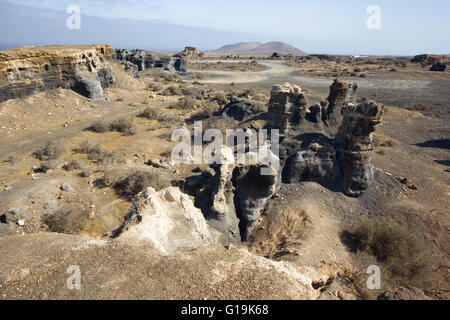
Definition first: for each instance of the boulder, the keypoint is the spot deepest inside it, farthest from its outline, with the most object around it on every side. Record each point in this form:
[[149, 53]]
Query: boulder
[[168, 219]]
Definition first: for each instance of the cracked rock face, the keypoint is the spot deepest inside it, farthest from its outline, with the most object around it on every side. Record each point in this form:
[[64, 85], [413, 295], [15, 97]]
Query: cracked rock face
[[240, 193], [355, 144], [168, 219], [27, 70]]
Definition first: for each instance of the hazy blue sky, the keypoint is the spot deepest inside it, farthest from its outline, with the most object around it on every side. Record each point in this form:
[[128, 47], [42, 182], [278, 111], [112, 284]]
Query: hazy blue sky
[[407, 27]]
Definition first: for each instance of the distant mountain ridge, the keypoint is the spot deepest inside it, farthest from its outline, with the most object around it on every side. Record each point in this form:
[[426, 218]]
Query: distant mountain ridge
[[260, 48]]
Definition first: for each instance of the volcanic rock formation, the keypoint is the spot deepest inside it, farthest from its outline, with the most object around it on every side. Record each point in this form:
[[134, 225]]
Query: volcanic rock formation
[[287, 103], [355, 144], [345, 161], [239, 193], [142, 59], [27, 70]]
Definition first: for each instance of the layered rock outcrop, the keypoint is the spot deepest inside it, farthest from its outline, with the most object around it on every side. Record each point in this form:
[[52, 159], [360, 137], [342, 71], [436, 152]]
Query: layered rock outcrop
[[355, 144], [27, 70], [287, 103], [343, 163], [340, 95], [142, 59]]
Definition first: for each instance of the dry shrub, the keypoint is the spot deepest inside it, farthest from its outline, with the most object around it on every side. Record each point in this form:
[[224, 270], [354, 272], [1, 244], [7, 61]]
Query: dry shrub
[[78, 165], [67, 220], [172, 91], [128, 184], [200, 76], [95, 153], [154, 86], [220, 97], [282, 231], [186, 103], [165, 77], [207, 110], [100, 126], [155, 114], [125, 126], [393, 245], [48, 165], [51, 151]]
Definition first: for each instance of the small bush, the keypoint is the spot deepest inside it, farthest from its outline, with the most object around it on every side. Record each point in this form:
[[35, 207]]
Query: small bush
[[130, 184], [75, 165], [95, 153], [200, 76], [125, 126], [220, 97], [172, 91], [51, 151], [392, 244], [165, 77], [186, 103], [100, 126], [154, 86], [207, 111], [149, 113], [48, 165]]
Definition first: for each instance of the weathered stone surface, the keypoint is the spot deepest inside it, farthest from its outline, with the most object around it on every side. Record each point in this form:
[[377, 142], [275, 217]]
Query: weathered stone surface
[[143, 59], [355, 145], [222, 213], [27, 70], [286, 105], [240, 192], [340, 95], [168, 219], [317, 164], [239, 109], [255, 184]]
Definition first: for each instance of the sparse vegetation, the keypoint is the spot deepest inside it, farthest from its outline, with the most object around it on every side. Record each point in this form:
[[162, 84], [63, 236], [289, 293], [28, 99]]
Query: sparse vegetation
[[165, 77], [200, 76], [172, 91], [94, 153], [392, 244], [48, 165], [51, 151], [128, 184], [124, 125], [78, 165]]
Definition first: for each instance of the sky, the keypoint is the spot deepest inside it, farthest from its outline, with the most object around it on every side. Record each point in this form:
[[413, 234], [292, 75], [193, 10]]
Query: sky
[[315, 26]]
